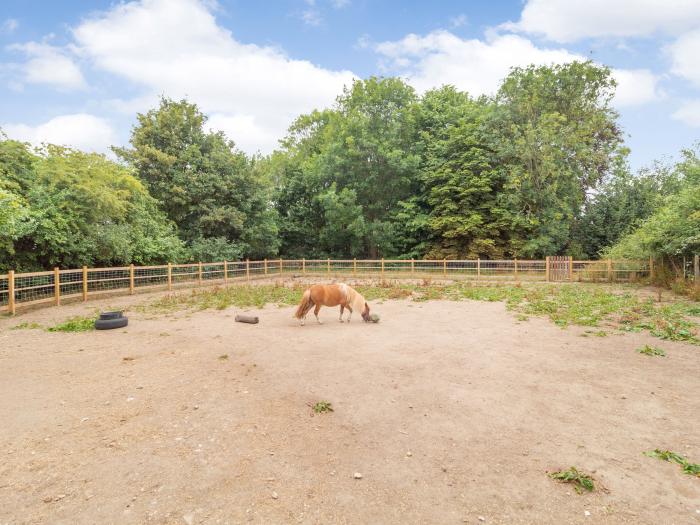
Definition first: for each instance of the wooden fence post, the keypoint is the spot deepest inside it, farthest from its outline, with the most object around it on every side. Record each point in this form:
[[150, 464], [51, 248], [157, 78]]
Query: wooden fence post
[[515, 268], [265, 266], [413, 267], [11, 292], [546, 268], [354, 267], [382, 273], [571, 268], [131, 279], [610, 272], [170, 275], [57, 286], [247, 269], [225, 271], [199, 274], [444, 267], [85, 283], [281, 266], [696, 269], [478, 269], [328, 266], [303, 266]]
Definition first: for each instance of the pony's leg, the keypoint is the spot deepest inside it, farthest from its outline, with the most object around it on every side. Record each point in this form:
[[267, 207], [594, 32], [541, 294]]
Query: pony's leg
[[350, 314], [316, 310], [341, 313]]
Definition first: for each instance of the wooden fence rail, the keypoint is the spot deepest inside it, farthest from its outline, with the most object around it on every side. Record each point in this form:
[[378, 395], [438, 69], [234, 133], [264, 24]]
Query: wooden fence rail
[[20, 289]]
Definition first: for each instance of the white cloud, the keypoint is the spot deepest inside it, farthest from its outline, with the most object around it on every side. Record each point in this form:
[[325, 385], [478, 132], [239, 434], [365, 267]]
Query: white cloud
[[49, 65], [9, 26], [250, 136], [80, 131], [176, 48], [636, 87], [572, 20], [478, 66], [685, 56], [689, 113]]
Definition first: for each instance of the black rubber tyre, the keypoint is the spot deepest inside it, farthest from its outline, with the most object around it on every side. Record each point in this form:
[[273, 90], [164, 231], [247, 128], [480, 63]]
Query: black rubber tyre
[[110, 315], [110, 324]]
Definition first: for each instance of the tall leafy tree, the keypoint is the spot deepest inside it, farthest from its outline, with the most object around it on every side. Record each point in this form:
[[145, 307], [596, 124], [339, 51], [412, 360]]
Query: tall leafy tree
[[558, 138], [203, 183], [366, 145], [463, 182]]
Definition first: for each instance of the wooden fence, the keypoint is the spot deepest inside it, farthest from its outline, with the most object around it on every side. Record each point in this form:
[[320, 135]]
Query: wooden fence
[[51, 287]]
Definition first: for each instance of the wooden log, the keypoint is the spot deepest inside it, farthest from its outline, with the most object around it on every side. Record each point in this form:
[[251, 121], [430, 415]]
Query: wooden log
[[131, 279], [250, 319]]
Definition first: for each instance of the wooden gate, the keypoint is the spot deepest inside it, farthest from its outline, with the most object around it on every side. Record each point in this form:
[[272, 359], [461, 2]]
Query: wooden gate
[[560, 268]]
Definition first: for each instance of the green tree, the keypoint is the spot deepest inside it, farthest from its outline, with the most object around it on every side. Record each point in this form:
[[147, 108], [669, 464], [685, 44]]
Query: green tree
[[70, 208], [619, 205], [207, 187], [463, 181], [366, 145], [558, 138], [673, 230]]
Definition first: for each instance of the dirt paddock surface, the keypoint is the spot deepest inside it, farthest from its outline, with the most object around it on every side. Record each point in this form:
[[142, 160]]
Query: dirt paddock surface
[[451, 412]]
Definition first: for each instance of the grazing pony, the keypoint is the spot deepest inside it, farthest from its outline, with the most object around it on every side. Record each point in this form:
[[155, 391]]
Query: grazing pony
[[332, 295]]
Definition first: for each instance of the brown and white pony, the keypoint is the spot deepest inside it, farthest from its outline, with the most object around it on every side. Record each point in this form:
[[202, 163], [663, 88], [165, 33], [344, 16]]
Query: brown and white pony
[[332, 295]]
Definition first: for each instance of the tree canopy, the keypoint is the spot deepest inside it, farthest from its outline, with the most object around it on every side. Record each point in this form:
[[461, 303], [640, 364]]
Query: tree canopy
[[539, 168]]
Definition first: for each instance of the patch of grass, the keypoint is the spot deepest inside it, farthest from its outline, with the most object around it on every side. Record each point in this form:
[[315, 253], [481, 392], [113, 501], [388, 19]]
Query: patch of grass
[[692, 469], [580, 480], [223, 357], [322, 407], [222, 298], [651, 351], [75, 324], [26, 326]]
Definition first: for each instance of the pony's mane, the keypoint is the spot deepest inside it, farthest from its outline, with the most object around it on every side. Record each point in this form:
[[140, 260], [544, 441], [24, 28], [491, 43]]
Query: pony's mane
[[357, 301]]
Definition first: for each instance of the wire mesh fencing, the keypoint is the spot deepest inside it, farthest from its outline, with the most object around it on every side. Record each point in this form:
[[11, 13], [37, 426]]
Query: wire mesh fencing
[[51, 287]]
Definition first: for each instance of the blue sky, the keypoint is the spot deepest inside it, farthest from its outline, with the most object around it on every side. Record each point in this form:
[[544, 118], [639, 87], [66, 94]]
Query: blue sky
[[77, 72]]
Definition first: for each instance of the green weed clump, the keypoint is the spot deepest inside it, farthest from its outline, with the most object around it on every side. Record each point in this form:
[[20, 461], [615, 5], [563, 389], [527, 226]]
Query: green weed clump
[[322, 407], [580, 480], [692, 469], [75, 324], [651, 351]]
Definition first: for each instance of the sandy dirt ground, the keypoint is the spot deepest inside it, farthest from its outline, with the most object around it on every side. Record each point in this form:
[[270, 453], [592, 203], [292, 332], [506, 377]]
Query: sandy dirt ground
[[451, 412]]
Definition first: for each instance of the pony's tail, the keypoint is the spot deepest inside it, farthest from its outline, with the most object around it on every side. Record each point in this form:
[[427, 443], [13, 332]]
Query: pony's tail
[[305, 304]]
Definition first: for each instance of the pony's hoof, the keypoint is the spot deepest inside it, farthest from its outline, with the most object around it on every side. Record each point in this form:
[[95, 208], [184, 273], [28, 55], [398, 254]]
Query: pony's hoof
[[341, 320]]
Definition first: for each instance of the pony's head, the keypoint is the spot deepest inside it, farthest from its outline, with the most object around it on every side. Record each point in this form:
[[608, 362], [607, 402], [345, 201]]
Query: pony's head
[[365, 313]]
